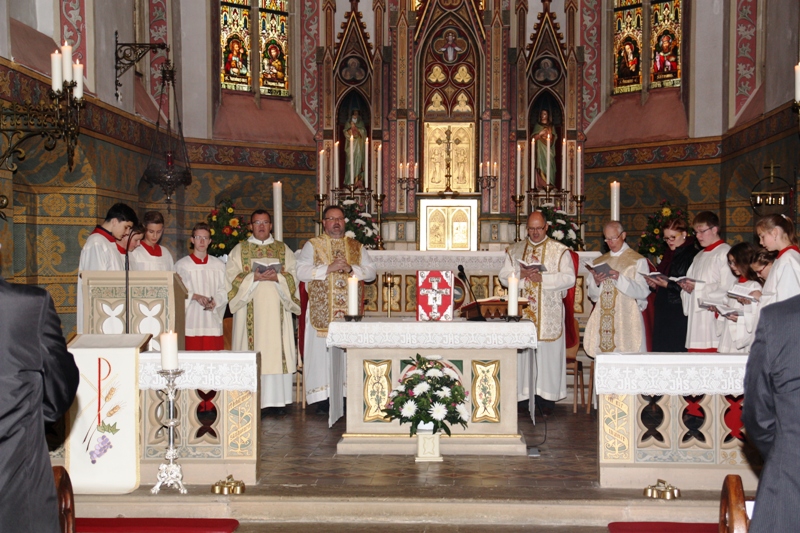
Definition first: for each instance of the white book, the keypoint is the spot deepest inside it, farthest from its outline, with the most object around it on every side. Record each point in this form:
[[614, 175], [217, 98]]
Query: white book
[[741, 291], [709, 304], [686, 278], [656, 275], [538, 266]]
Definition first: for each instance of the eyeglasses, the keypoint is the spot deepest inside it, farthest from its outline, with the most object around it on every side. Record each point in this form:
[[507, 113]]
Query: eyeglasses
[[531, 228], [674, 237], [760, 270], [701, 231], [260, 222], [334, 219], [612, 239], [201, 239]]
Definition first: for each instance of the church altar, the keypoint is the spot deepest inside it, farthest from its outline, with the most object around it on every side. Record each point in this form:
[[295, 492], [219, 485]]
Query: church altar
[[379, 351], [672, 416]]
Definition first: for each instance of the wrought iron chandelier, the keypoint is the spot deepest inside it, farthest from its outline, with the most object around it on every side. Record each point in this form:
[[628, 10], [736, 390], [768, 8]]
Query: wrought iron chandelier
[[168, 165]]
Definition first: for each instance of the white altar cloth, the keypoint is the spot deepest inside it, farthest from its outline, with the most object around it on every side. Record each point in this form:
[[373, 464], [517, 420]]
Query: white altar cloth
[[407, 333], [203, 370], [670, 373]]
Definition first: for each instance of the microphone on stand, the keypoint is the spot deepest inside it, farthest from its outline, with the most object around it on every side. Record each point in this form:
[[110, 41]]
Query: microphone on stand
[[463, 277]]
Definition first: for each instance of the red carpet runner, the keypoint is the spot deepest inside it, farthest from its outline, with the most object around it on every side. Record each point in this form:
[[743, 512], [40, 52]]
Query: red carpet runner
[[661, 527], [155, 525]]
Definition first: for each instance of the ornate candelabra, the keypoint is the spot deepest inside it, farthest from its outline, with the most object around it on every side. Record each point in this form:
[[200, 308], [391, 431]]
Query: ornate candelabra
[[379, 198], [388, 283], [518, 200], [170, 473], [57, 120], [487, 183], [320, 198], [579, 199]]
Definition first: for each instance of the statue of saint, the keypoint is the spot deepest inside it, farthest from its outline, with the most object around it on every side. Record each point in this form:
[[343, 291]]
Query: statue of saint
[[354, 151], [540, 132]]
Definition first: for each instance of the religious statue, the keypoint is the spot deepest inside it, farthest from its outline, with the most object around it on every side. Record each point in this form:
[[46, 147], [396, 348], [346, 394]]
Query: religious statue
[[355, 136], [541, 130]]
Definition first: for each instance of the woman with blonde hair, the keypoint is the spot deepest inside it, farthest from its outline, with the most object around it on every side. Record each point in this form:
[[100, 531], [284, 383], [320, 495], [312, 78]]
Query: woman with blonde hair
[[776, 234]]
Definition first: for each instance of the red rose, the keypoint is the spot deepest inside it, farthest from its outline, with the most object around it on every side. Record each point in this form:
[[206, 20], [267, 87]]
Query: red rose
[[227, 230], [214, 212]]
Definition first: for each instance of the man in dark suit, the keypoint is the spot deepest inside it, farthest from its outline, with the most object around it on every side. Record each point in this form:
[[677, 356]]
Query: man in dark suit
[[772, 415], [38, 381]]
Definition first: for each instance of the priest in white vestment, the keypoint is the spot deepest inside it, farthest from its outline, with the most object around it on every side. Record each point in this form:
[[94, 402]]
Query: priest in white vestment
[[324, 264], [100, 251], [714, 279], [151, 255], [262, 301], [204, 278], [546, 373], [616, 323]]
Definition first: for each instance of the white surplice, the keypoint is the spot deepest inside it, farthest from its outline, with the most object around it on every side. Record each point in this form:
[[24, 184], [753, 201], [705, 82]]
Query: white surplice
[[142, 260], [783, 281], [273, 329], [316, 356], [207, 280], [97, 254], [711, 267], [736, 337]]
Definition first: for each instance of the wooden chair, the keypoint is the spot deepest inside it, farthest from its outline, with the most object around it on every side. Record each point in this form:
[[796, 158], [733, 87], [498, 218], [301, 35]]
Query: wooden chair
[[575, 369], [732, 512], [65, 498], [591, 388]]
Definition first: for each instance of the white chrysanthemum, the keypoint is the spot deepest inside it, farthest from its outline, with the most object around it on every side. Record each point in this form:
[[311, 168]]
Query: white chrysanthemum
[[415, 372], [368, 232], [558, 235], [365, 215], [359, 222], [393, 394], [409, 409], [561, 221], [434, 373], [574, 225], [443, 393], [561, 212], [374, 226], [438, 411], [463, 412], [421, 388], [571, 234], [348, 202], [449, 372], [350, 234]]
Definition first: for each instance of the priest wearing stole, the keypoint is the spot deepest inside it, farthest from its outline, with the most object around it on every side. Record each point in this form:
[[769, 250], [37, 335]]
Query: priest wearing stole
[[262, 301], [546, 375], [616, 323], [324, 264]]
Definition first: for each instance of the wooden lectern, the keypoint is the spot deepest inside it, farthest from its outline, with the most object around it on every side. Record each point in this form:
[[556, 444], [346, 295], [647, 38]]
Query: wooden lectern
[[492, 308], [157, 303]]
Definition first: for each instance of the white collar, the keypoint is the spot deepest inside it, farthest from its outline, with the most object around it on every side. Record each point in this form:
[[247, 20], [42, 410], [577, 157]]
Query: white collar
[[252, 239], [537, 243], [619, 253]]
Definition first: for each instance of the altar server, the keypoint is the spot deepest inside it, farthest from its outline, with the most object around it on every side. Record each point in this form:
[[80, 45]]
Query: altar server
[[204, 278], [736, 332], [616, 323], [151, 255], [100, 251], [714, 279], [545, 291], [324, 264], [776, 234], [262, 301]]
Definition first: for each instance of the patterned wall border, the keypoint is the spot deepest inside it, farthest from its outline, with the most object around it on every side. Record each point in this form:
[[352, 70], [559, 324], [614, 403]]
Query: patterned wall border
[[746, 52], [591, 17], [309, 38]]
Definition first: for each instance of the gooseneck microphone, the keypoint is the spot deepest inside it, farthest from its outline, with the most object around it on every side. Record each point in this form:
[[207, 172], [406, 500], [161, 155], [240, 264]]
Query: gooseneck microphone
[[463, 277]]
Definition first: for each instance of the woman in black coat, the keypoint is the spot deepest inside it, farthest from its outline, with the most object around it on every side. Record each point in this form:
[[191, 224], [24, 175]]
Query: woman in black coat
[[669, 323]]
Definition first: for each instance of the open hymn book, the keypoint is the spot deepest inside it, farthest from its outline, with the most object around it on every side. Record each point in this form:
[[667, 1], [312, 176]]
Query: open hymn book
[[741, 291], [719, 307], [262, 265], [600, 268], [659, 275], [535, 265]]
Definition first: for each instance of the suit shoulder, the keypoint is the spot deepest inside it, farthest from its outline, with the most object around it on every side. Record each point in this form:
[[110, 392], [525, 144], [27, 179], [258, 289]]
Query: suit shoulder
[[18, 290], [781, 309]]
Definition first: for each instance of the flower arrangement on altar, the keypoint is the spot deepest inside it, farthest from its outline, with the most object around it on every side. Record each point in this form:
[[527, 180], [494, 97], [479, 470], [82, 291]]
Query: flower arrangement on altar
[[652, 243], [430, 392], [562, 228], [359, 224], [227, 228]]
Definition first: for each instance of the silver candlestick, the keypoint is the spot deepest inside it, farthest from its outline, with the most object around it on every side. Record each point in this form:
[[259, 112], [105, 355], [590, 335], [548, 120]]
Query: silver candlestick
[[170, 474]]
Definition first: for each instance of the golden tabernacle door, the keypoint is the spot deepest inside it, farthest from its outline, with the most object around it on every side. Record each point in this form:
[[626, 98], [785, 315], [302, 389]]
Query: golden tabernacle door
[[460, 154], [448, 224]]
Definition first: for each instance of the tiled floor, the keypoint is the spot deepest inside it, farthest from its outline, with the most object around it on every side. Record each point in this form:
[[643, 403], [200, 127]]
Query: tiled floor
[[299, 449]]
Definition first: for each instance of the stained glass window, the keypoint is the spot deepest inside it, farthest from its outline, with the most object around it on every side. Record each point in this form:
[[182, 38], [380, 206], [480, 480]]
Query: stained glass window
[[235, 42], [665, 43], [627, 46], [273, 16]]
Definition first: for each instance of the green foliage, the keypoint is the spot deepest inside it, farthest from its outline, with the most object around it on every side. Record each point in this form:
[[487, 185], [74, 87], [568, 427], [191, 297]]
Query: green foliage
[[561, 228], [108, 428], [359, 224], [227, 228]]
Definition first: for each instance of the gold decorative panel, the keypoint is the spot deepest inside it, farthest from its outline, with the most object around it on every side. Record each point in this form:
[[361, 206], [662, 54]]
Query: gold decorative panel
[[460, 154], [449, 227], [411, 293], [499, 290], [480, 286], [377, 386], [395, 294], [616, 430], [485, 391], [577, 305], [371, 296]]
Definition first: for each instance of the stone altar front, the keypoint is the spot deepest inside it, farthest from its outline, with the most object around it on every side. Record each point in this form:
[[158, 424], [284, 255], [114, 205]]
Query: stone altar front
[[378, 351]]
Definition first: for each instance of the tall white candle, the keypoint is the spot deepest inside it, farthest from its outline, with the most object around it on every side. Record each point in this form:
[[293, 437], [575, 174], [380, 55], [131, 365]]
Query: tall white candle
[[336, 164], [66, 62], [277, 210], [352, 170], [547, 175], [321, 169], [797, 82], [169, 350], [352, 296], [579, 173], [400, 172], [519, 166], [564, 164], [494, 169], [379, 177], [615, 200], [416, 172], [513, 295], [533, 163], [77, 70], [55, 71], [367, 155]]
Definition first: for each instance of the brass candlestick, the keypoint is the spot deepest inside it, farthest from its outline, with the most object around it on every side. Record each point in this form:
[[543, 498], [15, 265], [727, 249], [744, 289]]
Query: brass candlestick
[[518, 209], [379, 198], [320, 198], [579, 199], [388, 282]]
